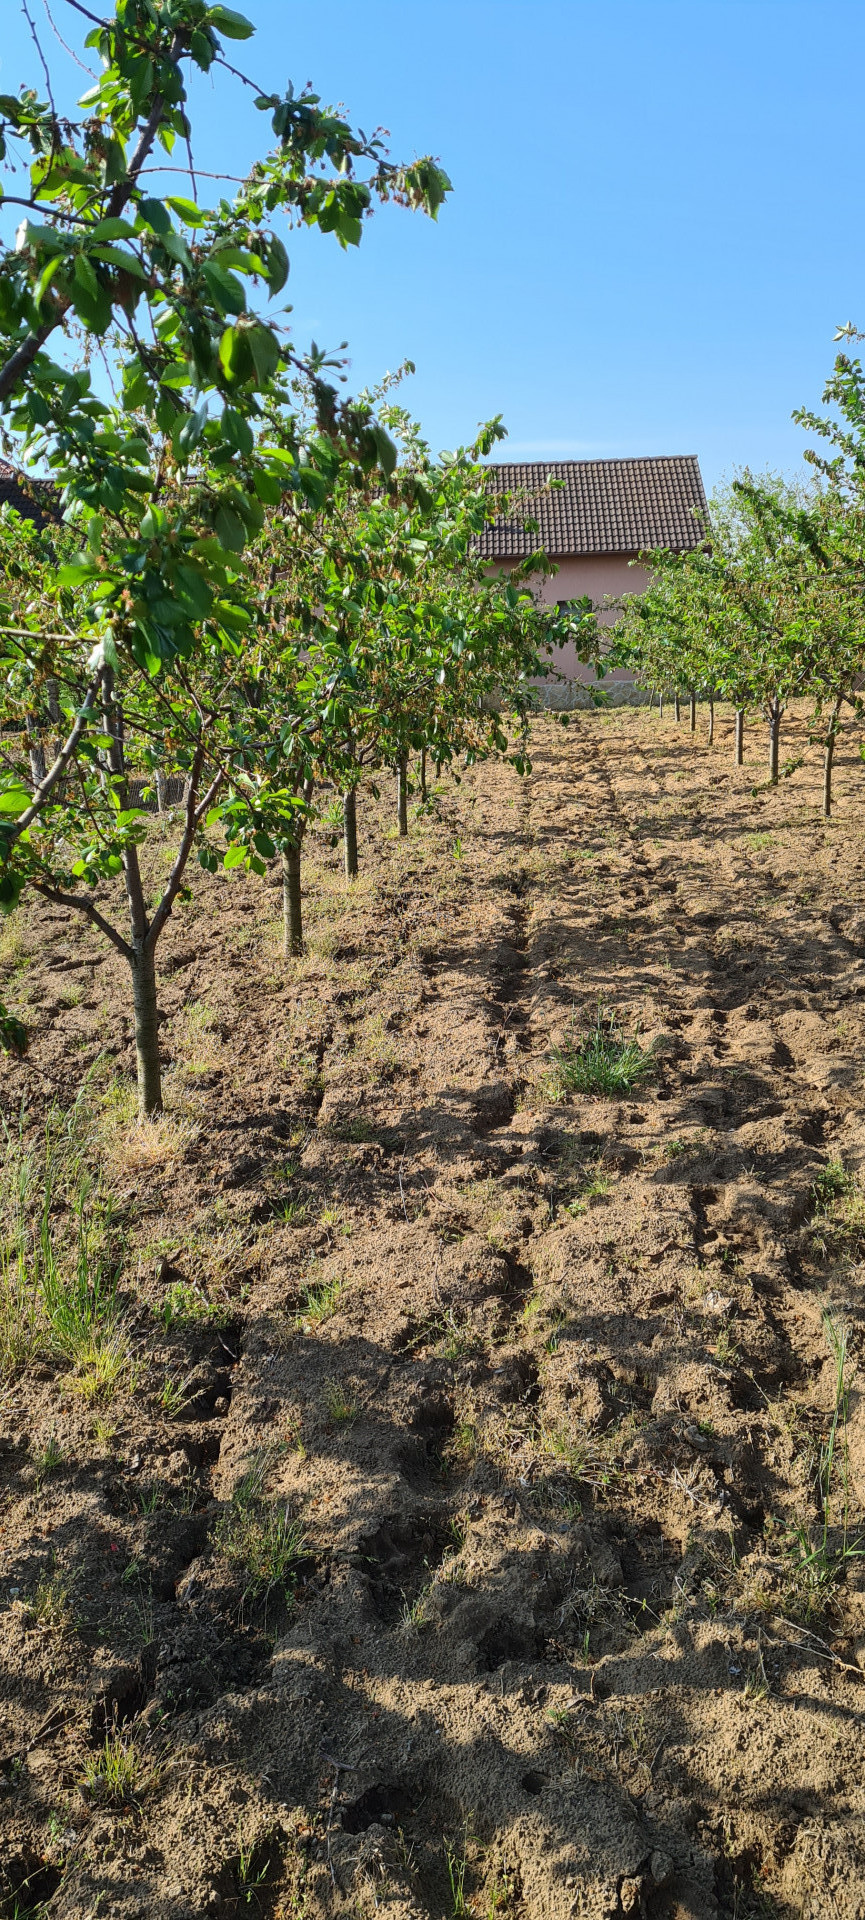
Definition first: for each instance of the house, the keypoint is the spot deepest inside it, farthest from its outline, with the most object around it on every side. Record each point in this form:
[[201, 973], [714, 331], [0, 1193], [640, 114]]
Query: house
[[35, 500], [594, 525]]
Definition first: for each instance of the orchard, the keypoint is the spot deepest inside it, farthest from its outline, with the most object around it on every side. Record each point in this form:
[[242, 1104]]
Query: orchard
[[432, 1200]]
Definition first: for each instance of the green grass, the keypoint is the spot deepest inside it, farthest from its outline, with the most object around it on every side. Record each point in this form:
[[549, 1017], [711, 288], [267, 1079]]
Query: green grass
[[819, 1556], [833, 1182], [600, 1061], [260, 1538], [117, 1774], [342, 1410], [319, 1302], [184, 1305]]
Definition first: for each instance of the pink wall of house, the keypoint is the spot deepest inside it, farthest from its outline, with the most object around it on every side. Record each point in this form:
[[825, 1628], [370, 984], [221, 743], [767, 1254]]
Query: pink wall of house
[[602, 576]]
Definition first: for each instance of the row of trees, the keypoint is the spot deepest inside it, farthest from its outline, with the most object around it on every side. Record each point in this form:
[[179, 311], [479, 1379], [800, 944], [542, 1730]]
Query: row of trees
[[256, 581], [769, 606]]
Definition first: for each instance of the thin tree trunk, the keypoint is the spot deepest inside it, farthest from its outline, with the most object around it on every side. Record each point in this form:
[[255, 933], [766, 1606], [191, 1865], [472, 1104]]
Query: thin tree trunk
[[677, 706], [161, 789], [143, 965], [143, 946], [740, 735], [774, 738], [693, 698], [37, 752], [349, 832], [828, 760], [711, 720], [423, 773], [402, 794], [292, 901], [660, 706]]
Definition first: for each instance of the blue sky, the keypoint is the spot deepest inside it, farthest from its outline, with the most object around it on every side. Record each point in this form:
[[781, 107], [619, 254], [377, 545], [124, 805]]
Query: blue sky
[[656, 221]]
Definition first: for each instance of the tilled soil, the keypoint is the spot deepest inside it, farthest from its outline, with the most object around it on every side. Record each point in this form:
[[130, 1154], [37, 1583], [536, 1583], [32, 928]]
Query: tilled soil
[[543, 1382]]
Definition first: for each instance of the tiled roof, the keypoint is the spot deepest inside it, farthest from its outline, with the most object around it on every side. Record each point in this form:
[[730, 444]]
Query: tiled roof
[[604, 506], [34, 499]]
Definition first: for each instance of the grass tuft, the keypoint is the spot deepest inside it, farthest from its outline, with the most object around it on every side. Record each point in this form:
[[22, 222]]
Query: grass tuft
[[601, 1061]]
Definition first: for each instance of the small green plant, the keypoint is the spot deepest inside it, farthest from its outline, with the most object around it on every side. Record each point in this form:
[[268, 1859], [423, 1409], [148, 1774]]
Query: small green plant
[[341, 1408], [49, 1606], [172, 1396], [818, 1563], [726, 1350], [250, 1876], [319, 1302], [117, 1774], [833, 1182], [457, 849], [417, 1613], [48, 1460], [457, 1867], [602, 1061], [596, 1186], [185, 1305], [260, 1537], [501, 1895], [293, 1213]]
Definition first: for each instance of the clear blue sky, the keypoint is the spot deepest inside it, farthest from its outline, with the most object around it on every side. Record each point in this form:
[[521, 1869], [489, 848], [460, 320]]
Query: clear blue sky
[[656, 220]]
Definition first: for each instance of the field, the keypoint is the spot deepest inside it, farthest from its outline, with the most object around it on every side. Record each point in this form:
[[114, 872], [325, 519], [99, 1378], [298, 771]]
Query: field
[[429, 1485]]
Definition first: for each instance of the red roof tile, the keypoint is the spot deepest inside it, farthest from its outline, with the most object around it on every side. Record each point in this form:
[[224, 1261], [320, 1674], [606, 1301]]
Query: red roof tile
[[603, 506]]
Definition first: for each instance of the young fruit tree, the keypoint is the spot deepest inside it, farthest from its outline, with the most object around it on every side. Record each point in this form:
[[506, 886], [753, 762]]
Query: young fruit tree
[[136, 648], [382, 636]]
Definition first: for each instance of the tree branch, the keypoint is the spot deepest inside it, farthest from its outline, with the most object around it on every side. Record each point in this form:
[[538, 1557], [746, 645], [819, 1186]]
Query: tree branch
[[194, 815], [43, 791], [86, 907], [20, 362]]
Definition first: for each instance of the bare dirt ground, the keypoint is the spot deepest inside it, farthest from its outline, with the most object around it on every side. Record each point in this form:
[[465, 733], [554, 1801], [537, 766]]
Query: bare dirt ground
[[435, 1550]]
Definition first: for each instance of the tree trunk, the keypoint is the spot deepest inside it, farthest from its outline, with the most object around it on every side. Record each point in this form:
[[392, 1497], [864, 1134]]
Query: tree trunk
[[423, 773], [774, 737], [711, 720], [143, 964], [677, 706], [161, 789], [740, 735], [292, 902], [693, 698], [402, 794], [660, 706], [37, 752], [828, 759], [349, 832]]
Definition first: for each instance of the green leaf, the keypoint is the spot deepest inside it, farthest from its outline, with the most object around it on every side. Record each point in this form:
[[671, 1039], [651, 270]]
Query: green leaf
[[226, 290], [74, 574], [176, 247], [186, 210], [265, 351], [236, 431], [45, 278], [277, 265], [85, 274], [112, 229], [235, 857], [267, 487], [229, 529], [154, 215], [264, 845], [14, 800], [235, 26]]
